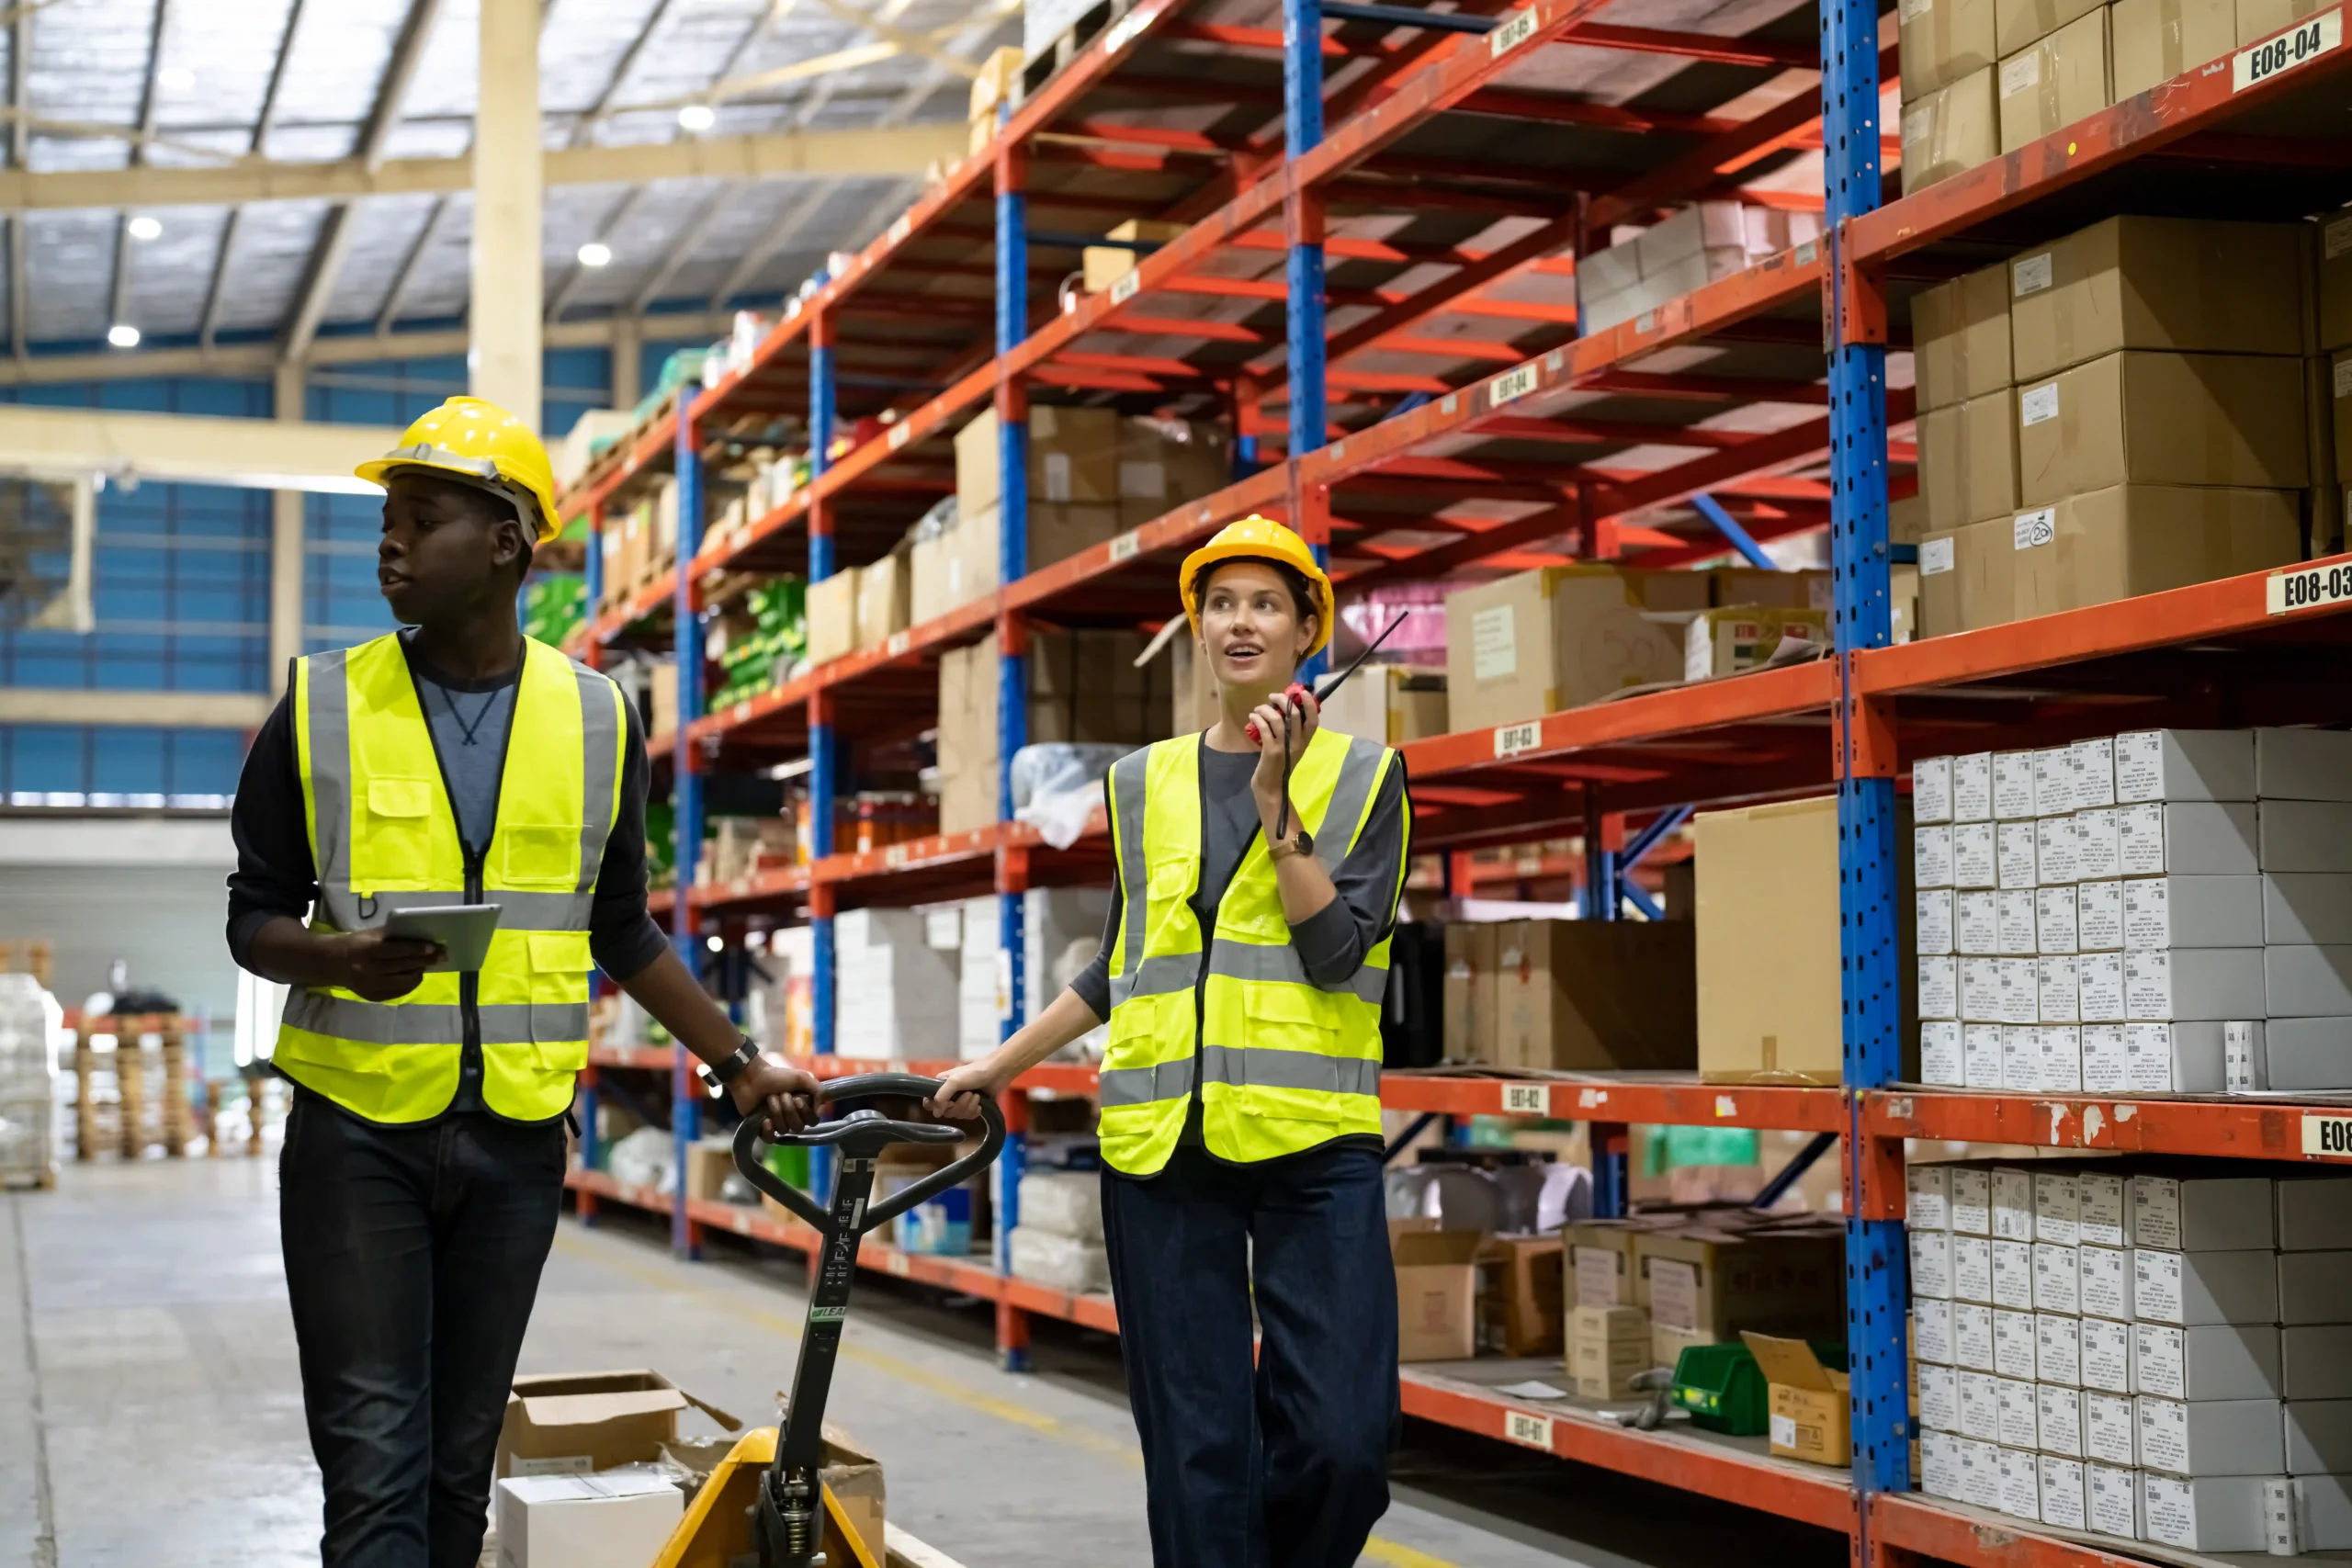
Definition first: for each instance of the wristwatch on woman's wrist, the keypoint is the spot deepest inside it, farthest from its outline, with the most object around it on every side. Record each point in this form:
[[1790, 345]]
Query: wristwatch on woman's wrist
[[1298, 843], [727, 1069]]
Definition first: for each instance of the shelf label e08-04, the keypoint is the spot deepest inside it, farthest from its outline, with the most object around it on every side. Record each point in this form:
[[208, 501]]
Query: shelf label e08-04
[[2305, 42]]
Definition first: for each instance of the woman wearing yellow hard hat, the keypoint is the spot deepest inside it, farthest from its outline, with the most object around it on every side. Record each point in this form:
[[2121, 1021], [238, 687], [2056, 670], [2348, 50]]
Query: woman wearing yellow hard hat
[[1258, 868], [454, 763]]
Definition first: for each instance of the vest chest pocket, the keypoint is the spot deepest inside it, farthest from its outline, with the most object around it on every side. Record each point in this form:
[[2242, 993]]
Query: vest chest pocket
[[559, 965], [397, 833], [1170, 885], [539, 857]]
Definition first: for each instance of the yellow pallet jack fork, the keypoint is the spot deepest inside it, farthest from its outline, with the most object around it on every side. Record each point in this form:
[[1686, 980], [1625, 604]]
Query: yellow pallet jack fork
[[767, 1495]]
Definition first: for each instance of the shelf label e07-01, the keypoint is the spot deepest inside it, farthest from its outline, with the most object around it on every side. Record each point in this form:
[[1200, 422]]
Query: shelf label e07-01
[[1535, 1431], [2306, 587], [2327, 1136], [1511, 31], [1510, 740], [2304, 42]]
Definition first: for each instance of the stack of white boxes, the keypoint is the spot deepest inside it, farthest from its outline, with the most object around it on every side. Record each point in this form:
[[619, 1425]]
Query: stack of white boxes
[[2304, 778], [29, 1028], [1059, 1239], [2156, 1354], [894, 992], [2090, 916], [1062, 931], [1708, 240]]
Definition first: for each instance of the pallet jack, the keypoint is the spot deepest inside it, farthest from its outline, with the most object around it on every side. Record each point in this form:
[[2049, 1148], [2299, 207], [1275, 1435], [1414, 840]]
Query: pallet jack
[[766, 1496]]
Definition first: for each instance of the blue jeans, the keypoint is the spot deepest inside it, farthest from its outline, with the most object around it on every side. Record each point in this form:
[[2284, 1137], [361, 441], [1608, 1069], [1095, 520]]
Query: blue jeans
[[1285, 1465], [412, 1255]]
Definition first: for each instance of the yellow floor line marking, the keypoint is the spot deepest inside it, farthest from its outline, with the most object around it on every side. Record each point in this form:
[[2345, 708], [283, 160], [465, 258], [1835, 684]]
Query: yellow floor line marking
[[955, 1389]]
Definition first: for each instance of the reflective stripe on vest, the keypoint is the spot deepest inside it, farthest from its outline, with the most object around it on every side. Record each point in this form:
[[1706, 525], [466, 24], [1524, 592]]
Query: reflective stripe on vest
[[384, 837], [1285, 1063]]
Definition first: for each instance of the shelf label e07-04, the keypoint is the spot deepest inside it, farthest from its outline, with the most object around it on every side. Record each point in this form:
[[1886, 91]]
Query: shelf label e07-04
[[2306, 587], [2304, 42]]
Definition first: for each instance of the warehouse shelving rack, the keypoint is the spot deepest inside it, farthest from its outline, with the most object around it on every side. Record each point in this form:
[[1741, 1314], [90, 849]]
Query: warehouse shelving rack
[[1453, 391]]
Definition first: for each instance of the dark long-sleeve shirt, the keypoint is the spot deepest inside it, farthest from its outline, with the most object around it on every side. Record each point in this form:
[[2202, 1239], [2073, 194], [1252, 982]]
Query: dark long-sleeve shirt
[[1332, 942], [276, 875]]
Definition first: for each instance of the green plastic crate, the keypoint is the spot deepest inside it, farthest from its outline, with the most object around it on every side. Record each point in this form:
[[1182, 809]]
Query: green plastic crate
[[1723, 1388]]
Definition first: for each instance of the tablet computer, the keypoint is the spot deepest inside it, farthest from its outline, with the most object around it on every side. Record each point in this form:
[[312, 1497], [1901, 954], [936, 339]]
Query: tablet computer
[[462, 929]]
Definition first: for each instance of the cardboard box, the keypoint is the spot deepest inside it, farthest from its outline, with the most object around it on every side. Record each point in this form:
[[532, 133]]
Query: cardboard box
[[1968, 461], [1715, 1282], [1073, 460], [1809, 1409], [709, 1162], [2166, 419], [2195, 983], [1083, 686], [2313, 1286], [1520, 1296], [1607, 1348], [2333, 269], [2313, 1215], [832, 615], [2193, 911], [2305, 982], [1437, 1293], [2107, 1435], [1599, 1269], [2184, 764], [933, 579], [1768, 1004], [1166, 463], [1952, 129], [2319, 1436], [1106, 265], [1192, 700], [1959, 329], [2323, 1505], [585, 1521], [1943, 40], [2170, 284], [2221, 1437], [1057, 532], [1596, 995], [1560, 636], [1470, 991], [2064, 1499], [2054, 81], [2192, 1289], [2302, 765], [1968, 578], [2205, 1513], [2188, 839], [2220, 1360], [1389, 703], [575, 1423], [2018, 23], [2155, 40], [2302, 836], [2261, 19], [885, 600], [2306, 1053], [2315, 1362]]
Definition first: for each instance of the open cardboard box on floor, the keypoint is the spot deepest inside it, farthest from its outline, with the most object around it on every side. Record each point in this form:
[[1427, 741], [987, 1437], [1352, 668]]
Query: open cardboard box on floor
[[577, 1423]]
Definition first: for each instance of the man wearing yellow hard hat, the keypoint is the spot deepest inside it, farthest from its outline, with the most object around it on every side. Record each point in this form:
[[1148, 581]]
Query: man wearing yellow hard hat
[[452, 764], [1242, 971]]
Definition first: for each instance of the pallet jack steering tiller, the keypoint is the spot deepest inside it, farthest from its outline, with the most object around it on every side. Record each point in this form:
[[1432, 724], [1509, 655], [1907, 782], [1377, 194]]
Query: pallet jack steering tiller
[[789, 1512]]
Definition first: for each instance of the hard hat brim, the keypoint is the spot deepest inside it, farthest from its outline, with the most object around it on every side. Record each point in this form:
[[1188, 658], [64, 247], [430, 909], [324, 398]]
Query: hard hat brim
[[382, 470]]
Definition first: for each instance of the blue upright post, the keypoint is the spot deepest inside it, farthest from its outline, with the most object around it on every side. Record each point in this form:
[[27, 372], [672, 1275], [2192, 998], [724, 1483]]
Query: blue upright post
[[685, 1120], [1876, 1262], [824, 749], [1303, 132], [594, 569], [1013, 677]]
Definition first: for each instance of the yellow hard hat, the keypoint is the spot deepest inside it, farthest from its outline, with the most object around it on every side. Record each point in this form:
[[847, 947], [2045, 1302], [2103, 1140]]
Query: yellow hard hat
[[1264, 539], [475, 440]]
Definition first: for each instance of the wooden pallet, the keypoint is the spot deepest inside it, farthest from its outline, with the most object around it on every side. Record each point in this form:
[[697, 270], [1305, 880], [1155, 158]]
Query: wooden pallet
[[1089, 26], [140, 1113]]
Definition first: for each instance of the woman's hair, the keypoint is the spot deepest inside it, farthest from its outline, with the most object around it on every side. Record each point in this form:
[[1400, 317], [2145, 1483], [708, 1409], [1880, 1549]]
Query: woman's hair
[[1303, 600]]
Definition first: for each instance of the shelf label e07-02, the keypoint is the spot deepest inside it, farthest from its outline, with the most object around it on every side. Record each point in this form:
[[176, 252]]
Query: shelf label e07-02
[[1511, 31], [2327, 1136], [2306, 587], [1535, 1431], [1527, 1100], [2304, 42], [1510, 740]]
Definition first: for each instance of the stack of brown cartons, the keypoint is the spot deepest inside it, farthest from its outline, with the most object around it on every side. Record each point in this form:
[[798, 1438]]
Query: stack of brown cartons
[[1967, 423], [1164, 463], [1073, 489], [1083, 686], [1705, 1281], [2332, 383], [2159, 421], [1594, 994], [885, 598], [1106, 265], [1607, 1332], [1389, 703], [999, 83], [1470, 991], [2054, 66], [1948, 57]]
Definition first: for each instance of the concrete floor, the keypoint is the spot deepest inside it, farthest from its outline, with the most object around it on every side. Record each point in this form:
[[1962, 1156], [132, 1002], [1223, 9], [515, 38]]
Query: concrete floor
[[149, 1411]]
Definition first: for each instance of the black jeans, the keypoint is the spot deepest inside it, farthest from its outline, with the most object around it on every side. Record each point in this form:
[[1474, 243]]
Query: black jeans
[[1286, 1466], [412, 1258]]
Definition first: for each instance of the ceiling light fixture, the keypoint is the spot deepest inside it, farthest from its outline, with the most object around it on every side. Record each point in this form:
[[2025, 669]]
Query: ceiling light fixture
[[145, 228], [175, 78], [595, 253], [122, 334], [697, 117]]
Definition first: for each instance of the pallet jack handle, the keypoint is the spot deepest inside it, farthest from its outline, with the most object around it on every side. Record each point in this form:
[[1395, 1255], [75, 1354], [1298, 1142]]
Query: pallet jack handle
[[788, 1520]]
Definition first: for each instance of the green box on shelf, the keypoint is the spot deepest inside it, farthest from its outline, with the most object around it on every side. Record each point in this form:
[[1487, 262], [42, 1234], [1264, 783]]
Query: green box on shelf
[[1723, 1388]]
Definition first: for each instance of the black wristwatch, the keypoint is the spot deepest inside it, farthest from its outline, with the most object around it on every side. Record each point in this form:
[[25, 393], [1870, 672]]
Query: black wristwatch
[[725, 1071]]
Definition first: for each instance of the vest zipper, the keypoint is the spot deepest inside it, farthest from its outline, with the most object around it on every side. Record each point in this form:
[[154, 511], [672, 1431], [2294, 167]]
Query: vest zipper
[[469, 1064]]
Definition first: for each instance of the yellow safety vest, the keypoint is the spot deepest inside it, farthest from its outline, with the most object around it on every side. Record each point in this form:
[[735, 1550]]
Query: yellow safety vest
[[1285, 1063], [384, 836]]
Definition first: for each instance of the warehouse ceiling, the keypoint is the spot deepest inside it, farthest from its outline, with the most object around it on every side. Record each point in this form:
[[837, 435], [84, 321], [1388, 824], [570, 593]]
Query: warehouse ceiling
[[243, 84]]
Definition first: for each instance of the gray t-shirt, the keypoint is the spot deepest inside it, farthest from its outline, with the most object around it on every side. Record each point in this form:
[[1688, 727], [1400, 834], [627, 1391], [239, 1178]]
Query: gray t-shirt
[[469, 721]]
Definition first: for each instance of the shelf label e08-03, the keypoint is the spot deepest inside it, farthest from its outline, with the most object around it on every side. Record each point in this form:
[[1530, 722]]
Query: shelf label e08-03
[[2306, 587], [2327, 1136], [2305, 42]]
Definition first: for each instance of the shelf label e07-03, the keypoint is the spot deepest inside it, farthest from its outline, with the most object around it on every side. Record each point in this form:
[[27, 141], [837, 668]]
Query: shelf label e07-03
[[2327, 1136], [1535, 1431], [1511, 31], [2304, 42], [2306, 587], [1510, 740]]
